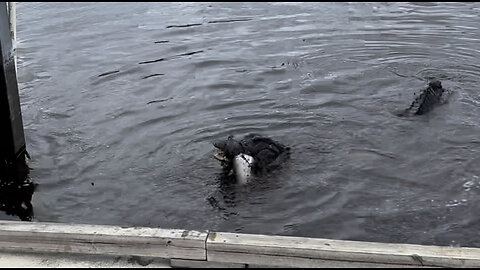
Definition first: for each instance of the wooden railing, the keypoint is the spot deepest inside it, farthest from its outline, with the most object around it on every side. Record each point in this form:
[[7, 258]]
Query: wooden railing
[[186, 248]]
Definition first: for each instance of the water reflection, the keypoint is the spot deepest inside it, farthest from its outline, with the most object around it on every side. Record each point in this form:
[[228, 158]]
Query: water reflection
[[16, 190], [231, 198], [223, 198]]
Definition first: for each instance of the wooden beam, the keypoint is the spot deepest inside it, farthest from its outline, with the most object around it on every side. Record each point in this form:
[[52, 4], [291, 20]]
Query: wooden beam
[[12, 137], [311, 252], [180, 263], [100, 239], [196, 249], [12, 15]]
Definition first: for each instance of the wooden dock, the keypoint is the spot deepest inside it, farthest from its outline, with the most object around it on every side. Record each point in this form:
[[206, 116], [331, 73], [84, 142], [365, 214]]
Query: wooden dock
[[186, 248]]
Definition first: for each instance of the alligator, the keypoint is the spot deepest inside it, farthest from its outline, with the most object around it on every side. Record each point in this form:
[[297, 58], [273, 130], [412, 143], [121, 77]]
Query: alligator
[[427, 100], [253, 154]]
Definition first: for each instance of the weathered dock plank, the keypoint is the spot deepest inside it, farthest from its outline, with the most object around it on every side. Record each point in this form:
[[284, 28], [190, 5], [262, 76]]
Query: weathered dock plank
[[311, 252], [99, 239], [70, 260], [196, 249], [180, 263], [266, 261]]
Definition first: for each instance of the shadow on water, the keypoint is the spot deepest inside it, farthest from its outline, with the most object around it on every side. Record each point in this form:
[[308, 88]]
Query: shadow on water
[[16, 190], [231, 197], [224, 197]]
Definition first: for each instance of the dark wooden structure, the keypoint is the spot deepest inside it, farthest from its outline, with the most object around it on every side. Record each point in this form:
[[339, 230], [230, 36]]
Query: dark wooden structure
[[12, 138], [16, 189]]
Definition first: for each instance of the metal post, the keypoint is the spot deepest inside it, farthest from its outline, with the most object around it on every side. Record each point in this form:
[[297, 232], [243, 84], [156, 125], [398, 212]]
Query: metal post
[[12, 138]]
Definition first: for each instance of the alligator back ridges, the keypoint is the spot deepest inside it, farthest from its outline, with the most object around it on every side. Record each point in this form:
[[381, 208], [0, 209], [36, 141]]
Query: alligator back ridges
[[427, 100]]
